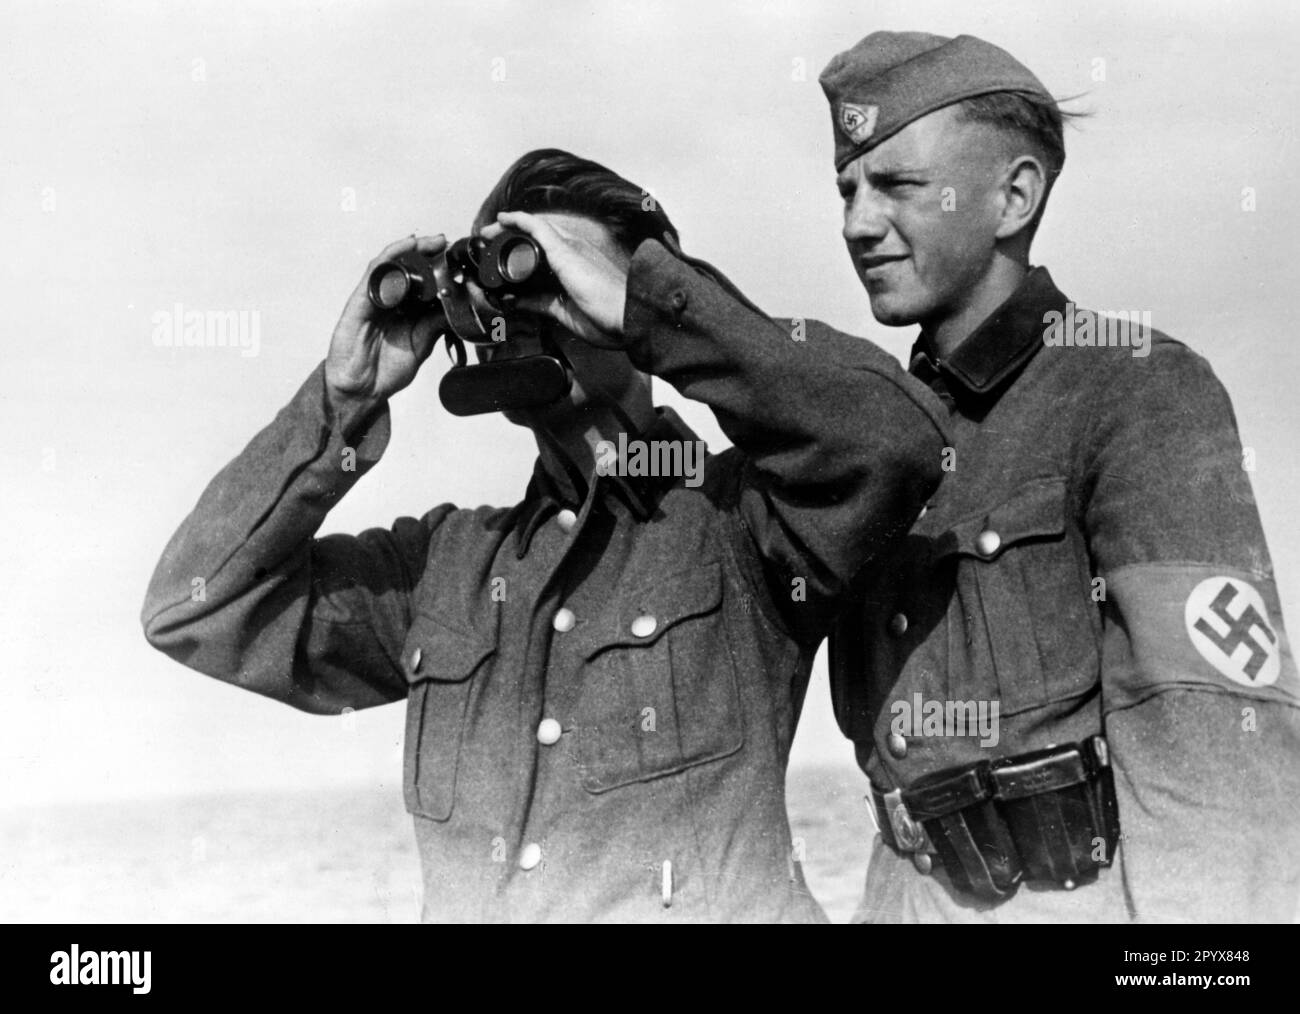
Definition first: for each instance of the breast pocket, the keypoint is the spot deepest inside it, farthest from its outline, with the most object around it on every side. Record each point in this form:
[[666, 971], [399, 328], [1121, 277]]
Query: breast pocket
[[440, 663], [1023, 590], [658, 692]]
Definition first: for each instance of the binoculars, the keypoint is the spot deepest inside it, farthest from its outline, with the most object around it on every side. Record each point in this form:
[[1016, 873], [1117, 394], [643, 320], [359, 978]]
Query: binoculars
[[511, 263]]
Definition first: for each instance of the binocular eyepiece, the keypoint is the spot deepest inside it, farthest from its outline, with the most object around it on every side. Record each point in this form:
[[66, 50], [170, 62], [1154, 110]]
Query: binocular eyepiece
[[511, 263]]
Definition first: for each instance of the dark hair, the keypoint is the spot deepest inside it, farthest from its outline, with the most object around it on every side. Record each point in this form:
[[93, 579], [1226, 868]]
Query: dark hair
[[553, 180], [1037, 121]]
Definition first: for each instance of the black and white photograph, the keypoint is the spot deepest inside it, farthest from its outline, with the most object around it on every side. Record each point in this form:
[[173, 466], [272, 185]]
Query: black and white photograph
[[649, 462]]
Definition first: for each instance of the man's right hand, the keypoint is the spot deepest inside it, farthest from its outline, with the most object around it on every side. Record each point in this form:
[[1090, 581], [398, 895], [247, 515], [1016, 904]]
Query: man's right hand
[[375, 353]]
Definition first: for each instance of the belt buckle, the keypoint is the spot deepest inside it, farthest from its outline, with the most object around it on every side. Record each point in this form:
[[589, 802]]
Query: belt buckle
[[909, 835]]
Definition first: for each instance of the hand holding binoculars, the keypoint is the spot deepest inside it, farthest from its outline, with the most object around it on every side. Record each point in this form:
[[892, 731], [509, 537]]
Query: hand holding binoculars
[[512, 263]]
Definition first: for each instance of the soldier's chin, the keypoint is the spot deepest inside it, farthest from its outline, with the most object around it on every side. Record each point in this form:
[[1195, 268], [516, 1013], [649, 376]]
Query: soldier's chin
[[891, 311]]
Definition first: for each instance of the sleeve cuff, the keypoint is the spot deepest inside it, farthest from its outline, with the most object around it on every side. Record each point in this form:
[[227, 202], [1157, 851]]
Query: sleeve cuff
[[363, 426], [656, 291]]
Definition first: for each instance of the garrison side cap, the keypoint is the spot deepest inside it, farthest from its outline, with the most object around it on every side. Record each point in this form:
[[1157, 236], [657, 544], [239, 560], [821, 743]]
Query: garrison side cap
[[889, 79]]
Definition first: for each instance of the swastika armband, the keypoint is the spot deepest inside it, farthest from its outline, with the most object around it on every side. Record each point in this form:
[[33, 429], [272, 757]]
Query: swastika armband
[[1227, 622], [1197, 627]]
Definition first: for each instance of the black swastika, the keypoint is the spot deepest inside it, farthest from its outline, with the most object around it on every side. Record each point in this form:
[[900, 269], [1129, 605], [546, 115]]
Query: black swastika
[[1239, 629]]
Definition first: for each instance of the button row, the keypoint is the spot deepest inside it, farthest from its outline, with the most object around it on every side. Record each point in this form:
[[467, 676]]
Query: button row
[[987, 543], [564, 621]]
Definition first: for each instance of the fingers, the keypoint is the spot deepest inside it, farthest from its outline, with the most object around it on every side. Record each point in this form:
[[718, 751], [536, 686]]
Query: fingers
[[430, 245], [540, 229], [395, 249], [570, 317], [552, 305], [424, 335], [424, 244]]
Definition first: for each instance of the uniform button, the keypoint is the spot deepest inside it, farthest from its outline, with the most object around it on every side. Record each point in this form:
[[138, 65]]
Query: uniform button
[[898, 625], [548, 732], [564, 620], [530, 856], [923, 863], [678, 300], [988, 542], [566, 519], [416, 655], [897, 745], [644, 626]]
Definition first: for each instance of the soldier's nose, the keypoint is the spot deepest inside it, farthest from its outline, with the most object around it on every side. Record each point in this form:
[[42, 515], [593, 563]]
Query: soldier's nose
[[864, 221]]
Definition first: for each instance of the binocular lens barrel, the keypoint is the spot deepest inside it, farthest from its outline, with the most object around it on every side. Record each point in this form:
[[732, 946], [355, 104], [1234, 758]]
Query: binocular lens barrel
[[518, 261], [389, 286]]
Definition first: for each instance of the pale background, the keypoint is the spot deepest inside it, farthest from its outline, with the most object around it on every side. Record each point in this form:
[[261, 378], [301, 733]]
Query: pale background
[[240, 156]]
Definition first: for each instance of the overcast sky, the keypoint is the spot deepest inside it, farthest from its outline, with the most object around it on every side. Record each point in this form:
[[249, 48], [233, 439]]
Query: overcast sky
[[239, 156]]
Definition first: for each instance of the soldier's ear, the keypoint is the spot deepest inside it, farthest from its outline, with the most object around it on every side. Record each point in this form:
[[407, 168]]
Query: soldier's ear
[[671, 243], [1024, 188]]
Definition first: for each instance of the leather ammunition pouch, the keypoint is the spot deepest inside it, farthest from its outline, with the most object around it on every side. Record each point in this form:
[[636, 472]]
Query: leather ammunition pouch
[[1048, 816]]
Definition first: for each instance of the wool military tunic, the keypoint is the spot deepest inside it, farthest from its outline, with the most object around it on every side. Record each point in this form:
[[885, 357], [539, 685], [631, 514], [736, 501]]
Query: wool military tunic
[[1092, 562], [602, 684]]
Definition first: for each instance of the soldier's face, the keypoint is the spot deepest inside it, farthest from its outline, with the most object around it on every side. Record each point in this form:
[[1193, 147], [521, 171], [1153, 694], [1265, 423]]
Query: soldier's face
[[920, 217]]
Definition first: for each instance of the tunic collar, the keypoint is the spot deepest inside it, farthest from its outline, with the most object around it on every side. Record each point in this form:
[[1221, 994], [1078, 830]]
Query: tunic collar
[[1000, 346], [641, 493]]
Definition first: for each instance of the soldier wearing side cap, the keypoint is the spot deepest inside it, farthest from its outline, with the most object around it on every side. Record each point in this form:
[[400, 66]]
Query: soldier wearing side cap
[[1093, 562], [602, 681]]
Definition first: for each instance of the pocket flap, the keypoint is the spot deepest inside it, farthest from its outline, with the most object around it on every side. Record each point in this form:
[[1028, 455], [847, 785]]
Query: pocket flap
[[1036, 510], [641, 617], [435, 651]]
